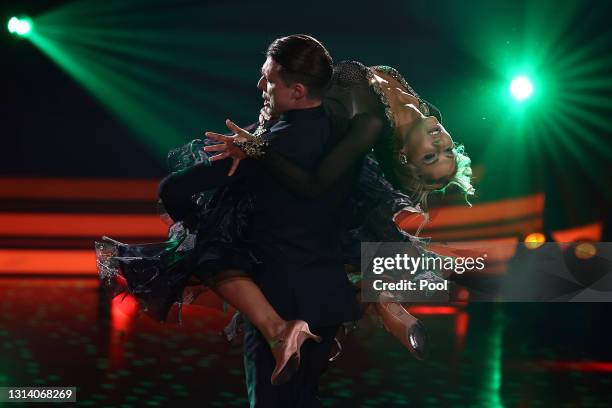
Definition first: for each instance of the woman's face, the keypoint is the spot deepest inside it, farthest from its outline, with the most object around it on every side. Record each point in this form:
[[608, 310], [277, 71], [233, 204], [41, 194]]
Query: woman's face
[[429, 147], [421, 139]]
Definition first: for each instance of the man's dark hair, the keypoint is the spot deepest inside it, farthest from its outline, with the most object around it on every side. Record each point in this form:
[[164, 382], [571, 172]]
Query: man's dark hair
[[305, 60]]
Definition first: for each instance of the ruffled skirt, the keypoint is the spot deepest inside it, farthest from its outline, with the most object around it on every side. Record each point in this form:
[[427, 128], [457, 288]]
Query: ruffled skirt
[[162, 274]]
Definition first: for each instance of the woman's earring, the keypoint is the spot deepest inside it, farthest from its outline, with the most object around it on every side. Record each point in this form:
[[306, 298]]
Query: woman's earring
[[403, 159]]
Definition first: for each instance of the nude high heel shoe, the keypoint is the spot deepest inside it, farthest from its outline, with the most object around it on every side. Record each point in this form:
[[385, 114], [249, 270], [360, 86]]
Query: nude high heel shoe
[[405, 327], [286, 350]]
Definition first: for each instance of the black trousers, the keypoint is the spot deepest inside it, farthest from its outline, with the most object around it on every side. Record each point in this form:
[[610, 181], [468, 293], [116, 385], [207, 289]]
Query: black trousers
[[301, 391]]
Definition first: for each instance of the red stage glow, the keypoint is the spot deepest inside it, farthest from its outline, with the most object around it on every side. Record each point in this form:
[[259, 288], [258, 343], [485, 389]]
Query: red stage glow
[[433, 310]]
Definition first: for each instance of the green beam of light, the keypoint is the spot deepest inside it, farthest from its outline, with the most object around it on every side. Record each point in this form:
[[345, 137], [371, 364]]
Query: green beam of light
[[568, 114], [483, 355], [521, 88], [491, 389], [106, 87], [150, 76], [20, 26]]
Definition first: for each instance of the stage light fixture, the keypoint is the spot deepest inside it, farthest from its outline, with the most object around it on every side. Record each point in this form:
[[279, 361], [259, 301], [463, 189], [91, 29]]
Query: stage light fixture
[[521, 88], [20, 26], [535, 240], [585, 250]]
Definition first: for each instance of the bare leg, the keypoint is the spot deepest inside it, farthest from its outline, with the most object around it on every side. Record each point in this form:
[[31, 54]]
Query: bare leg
[[243, 294], [285, 338], [403, 325]]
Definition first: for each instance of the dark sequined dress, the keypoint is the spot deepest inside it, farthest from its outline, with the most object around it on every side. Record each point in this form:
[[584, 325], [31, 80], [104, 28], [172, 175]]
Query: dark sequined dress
[[213, 238]]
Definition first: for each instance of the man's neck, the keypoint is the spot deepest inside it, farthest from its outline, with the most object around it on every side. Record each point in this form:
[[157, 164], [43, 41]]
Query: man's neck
[[307, 104]]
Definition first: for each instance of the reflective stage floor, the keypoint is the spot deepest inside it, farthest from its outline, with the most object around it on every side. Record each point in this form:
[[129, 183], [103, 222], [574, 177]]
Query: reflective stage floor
[[63, 332]]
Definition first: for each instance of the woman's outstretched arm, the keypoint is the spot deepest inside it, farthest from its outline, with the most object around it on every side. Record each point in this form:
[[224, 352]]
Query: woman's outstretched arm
[[359, 138], [361, 135]]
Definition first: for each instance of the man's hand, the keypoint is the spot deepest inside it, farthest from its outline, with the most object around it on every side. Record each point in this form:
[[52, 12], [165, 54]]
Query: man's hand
[[227, 147]]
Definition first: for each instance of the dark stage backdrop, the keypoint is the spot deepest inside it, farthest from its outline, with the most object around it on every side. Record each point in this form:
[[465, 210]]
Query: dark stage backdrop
[[111, 85]]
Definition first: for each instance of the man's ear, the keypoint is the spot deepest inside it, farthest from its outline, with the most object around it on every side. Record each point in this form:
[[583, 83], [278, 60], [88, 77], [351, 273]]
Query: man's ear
[[299, 91]]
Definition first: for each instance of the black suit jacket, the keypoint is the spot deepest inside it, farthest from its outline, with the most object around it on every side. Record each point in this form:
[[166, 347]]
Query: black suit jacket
[[297, 239]]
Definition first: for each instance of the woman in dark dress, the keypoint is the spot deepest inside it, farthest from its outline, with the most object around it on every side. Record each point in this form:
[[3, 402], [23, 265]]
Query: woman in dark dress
[[374, 109]]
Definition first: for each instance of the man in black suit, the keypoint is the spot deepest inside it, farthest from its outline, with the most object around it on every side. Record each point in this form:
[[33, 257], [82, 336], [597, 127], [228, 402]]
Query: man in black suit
[[302, 275]]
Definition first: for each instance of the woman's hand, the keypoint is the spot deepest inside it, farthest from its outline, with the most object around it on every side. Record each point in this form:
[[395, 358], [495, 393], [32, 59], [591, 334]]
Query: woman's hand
[[226, 147], [265, 114]]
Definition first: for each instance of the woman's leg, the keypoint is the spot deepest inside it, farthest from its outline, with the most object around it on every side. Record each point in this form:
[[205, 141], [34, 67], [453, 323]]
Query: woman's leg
[[402, 325], [239, 290], [285, 338], [399, 322]]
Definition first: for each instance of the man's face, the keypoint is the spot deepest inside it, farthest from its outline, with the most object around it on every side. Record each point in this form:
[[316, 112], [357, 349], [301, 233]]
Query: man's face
[[278, 97]]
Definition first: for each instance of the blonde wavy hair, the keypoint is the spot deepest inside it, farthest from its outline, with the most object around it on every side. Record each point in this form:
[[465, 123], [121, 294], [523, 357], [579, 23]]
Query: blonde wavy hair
[[418, 188]]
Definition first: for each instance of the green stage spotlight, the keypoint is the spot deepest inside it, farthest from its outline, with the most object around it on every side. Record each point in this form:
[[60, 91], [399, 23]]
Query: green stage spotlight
[[20, 26], [521, 88]]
